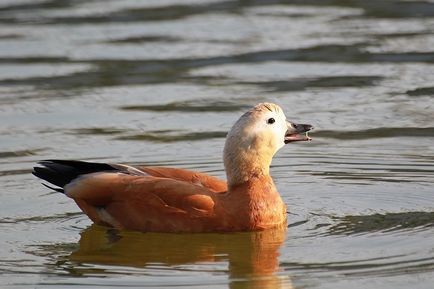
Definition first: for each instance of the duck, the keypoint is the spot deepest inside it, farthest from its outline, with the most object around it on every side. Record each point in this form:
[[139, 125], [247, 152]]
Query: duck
[[173, 200]]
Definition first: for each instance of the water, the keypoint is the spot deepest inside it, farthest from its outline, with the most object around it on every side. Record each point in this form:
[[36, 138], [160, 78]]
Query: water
[[161, 82]]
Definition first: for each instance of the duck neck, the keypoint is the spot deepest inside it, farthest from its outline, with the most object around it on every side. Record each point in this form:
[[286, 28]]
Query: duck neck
[[246, 165]]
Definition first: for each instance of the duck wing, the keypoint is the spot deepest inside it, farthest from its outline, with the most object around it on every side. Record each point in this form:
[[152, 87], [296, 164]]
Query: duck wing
[[214, 184], [125, 198]]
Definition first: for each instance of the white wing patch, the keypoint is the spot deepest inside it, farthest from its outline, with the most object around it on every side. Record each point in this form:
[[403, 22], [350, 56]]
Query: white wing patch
[[130, 170]]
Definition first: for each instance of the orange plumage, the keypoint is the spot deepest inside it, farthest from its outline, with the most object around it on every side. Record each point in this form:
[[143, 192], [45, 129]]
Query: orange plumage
[[158, 199]]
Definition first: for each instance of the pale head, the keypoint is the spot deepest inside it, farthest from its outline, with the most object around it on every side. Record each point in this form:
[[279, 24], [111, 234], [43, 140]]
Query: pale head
[[255, 138]]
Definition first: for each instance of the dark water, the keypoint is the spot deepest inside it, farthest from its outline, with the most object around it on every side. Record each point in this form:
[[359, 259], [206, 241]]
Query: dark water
[[161, 82]]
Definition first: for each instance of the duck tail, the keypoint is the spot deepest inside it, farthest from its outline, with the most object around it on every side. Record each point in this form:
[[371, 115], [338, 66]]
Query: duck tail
[[61, 172]]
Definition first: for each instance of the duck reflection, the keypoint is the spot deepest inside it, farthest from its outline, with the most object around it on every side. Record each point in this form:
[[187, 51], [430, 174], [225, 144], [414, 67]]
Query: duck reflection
[[252, 256]]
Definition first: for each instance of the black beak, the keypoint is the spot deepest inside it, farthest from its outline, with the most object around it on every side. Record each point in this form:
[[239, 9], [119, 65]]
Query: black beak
[[301, 128], [294, 130]]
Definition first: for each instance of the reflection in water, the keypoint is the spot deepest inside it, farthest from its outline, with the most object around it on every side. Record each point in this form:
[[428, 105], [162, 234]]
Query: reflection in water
[[252, 257]]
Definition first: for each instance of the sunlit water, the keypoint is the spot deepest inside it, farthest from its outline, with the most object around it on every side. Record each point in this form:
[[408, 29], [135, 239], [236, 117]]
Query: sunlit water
[[161, 82]]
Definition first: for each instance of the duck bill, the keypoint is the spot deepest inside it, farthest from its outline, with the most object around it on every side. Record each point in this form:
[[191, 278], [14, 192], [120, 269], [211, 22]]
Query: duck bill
[[297, 132]]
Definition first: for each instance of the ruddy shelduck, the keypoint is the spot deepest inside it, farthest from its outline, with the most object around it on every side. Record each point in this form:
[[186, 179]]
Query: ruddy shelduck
[[161, 199]]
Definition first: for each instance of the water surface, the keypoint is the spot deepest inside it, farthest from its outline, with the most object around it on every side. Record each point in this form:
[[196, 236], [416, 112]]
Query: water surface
[[161, 82]]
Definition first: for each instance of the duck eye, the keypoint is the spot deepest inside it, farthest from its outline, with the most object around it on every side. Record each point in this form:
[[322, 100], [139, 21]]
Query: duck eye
[[270, 120]]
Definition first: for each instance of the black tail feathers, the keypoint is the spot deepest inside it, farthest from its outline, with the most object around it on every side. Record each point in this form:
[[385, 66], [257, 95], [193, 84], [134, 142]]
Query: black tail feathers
[[62, 172]]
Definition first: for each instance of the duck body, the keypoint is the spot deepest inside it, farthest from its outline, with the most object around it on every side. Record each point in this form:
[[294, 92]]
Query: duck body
[[161, 199]]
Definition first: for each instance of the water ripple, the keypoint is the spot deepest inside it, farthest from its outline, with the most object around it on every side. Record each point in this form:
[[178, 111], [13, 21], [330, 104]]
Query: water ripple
[[388, 222], [190, 106], [381, 132], [169, 136]]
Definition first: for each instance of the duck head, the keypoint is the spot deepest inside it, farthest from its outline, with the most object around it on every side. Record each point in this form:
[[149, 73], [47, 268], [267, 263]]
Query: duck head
[[255, 138]]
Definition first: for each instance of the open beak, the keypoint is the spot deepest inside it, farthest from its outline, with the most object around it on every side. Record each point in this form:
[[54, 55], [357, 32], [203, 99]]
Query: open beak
[[297, 132]]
